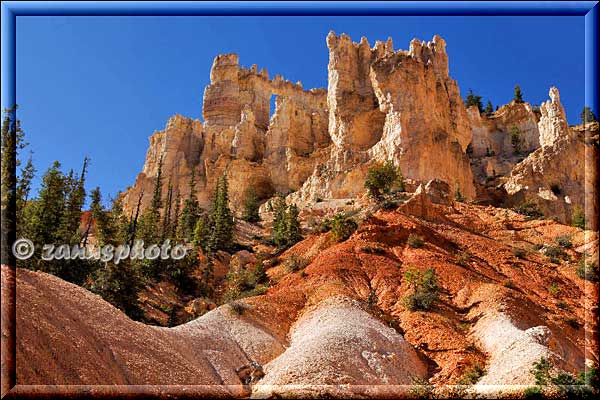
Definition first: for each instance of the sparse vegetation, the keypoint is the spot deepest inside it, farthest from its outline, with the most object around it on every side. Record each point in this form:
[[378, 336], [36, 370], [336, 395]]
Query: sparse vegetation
[[295, 263], [420, 388], [463, 258], [471, 375], [554, 290], [251, 206], [587, 269], [515, 139], [587, 115], [373, 249], [565, 241], [530, 210], [381, 178], [519, 253], [578, 218], [584, 385], [238, 307], [458, 196], [342, 227], [286, 225], [424, 289], [518, 96], [415, 241], [474, 100]]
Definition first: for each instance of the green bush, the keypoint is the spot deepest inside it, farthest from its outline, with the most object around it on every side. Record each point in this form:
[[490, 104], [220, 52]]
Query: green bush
[[373, 249], [553, 290], [533, 393], [381, 178], [530, 210], [587, 269], [294, 263], [342, 227], [471, 375], [424, 287], [415, 241], [578, 218], [564, 241]]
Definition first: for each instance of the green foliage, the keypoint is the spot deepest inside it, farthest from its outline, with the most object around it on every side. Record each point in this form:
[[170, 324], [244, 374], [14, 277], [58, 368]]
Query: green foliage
[[342, 227], [119, 285], [220, 219], [251, 205], [471, 375], [587, 269], [189, 214], [587, 115], [489, 109], [370, 249], [381, 178], [578, 218], [518, 96], [201, 232], [474, 100], [533, 393], [149, 225], [515, 139], [565, 241], [415, 241], [424, 289], [541, 371], [584, 385], [286, 225], [458, 194], [553, 290], [529, 209], [295, 263]]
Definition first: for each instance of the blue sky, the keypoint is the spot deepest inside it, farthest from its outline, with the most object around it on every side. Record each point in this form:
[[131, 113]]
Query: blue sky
[[99, 86]]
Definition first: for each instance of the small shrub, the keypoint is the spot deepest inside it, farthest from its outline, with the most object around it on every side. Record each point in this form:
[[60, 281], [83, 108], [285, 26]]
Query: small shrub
[[463, 258], [563, 306], [458, 196], [509, 284], [238, 307], [471, 375], [533, 393], [554, 290], [530, 210], [294, 263], [564, 241], [415, 241], [381, 178], [373, 249], [425, 289], [342, 227], [420, 388], [519, 253], [578, 218], [554, 253], [587, 269]]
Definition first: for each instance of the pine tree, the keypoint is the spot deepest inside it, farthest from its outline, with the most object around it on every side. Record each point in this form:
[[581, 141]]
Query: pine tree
[[189, 214], [279, 221], [149, 230], [587, 115], [221, 218], [176, 216], [104, 231], [474, 100], [518, 97], [292, 225], [11, 141], [75, 192], [24, 205], [489, 109], [118, 222], [201, 232], [166, 224], [251, 206]]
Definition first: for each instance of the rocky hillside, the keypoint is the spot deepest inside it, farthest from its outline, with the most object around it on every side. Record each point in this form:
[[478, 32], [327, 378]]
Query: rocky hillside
[[337, 323]]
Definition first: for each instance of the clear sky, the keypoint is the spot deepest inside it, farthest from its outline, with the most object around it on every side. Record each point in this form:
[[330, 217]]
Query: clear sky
[[99, 86]]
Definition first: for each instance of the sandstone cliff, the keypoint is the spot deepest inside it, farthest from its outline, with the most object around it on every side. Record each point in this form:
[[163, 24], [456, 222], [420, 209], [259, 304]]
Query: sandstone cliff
[[391, 105], [561, 175], [381, 104]]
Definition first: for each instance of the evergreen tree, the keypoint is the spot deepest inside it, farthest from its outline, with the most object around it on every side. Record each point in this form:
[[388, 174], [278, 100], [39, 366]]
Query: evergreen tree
[[166, 224], [11, 141], [104, 230], [75, 198], [587, 115], [515, 139], [458, 194], [489, 109], [119, 285], [251, 206], [176, 216], [518, 97], [189, 214], [201, 232], [474, 100], [24, 205], [292, 225], [150, 230], [118, 222], [221, 218], [381, 178], [279, 221]]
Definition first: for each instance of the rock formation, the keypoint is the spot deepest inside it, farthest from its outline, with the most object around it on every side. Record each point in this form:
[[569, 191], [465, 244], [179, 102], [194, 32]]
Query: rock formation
[[562, 174], [391, 105], [380, 105]]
